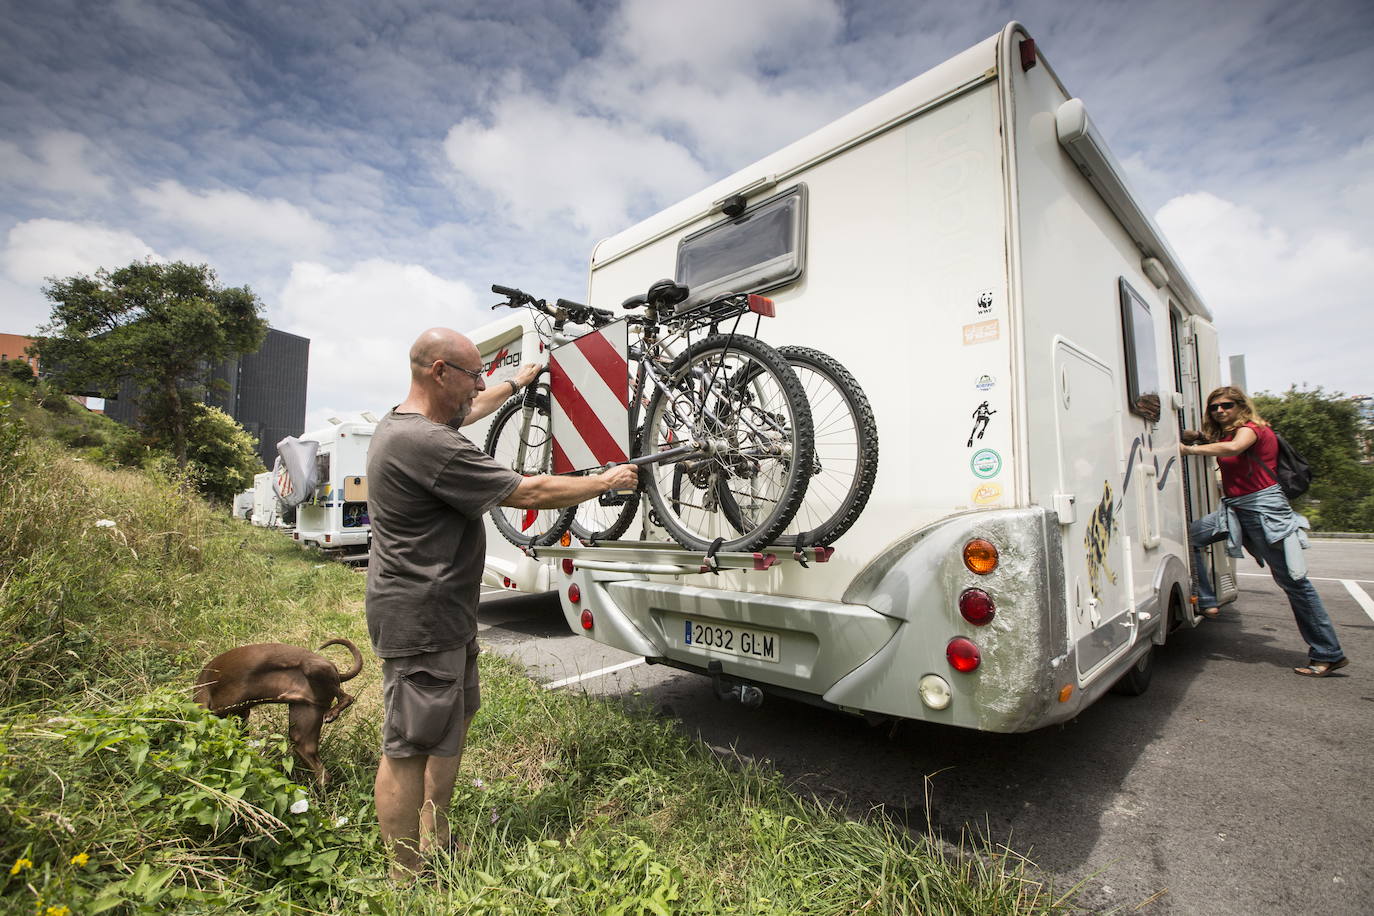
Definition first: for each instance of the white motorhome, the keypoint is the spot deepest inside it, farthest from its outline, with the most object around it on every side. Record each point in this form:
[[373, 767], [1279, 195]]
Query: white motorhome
[[968, 247], [266, 511], [334, 516], [243, 504]]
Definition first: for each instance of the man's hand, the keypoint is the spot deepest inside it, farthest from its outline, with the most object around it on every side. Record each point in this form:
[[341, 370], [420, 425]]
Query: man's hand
[[527, 374], [620, 477]]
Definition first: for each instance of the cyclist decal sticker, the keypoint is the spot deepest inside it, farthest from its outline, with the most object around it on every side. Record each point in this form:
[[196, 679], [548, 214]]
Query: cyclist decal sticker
[[986, 463], [985, 382], [981, 332], [988, 494], [1098, 540], [590, 410], [981, 414]]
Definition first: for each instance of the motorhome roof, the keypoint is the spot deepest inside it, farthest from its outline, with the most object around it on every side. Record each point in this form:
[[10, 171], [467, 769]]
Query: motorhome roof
[[970, 68]]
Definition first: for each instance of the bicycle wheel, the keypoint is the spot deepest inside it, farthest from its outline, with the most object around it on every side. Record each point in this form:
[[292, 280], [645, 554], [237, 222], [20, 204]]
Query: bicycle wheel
[[510, 430], [595, 522], [737, 394], [845, 462]]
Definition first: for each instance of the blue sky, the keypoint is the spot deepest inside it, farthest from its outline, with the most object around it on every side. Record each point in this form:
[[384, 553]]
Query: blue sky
[[370, 169]]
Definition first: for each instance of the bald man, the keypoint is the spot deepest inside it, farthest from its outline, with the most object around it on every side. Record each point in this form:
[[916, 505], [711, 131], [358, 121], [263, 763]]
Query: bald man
[[429, 487]]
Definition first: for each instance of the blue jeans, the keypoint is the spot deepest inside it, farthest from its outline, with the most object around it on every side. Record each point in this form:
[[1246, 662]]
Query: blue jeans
[[1313, 623]]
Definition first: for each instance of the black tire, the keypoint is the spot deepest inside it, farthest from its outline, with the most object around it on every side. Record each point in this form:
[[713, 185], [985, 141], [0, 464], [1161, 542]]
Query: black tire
[[845, 462], [1137, 679], [526, 527], [751, 385]]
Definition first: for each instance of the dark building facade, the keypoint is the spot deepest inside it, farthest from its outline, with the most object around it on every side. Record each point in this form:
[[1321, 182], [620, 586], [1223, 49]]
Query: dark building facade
[[263, 391]]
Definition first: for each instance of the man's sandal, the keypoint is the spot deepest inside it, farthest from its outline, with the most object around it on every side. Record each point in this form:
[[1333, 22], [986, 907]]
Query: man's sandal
[[1211, 613], [1320, 669]]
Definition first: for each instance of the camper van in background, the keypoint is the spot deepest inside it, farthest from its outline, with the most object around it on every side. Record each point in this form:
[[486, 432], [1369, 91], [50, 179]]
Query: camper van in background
[[266, 511], [333, 517], [968, 247]]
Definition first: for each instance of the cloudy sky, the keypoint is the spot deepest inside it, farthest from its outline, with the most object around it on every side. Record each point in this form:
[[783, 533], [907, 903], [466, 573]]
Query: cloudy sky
[[369, 169]]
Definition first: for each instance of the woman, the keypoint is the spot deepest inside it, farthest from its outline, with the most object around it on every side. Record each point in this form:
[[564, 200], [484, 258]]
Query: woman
[[1255, 511]]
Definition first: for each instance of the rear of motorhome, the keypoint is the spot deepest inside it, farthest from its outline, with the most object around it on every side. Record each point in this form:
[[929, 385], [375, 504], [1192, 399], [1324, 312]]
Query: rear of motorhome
[[334, 516], [266, 511], [968, 247]]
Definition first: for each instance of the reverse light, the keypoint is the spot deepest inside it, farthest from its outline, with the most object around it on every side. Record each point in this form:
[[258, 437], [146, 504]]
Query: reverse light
[[567, 566], [587, 621], [574, 594], [963, 655], [980, 556], [934, 691], [977, 607]]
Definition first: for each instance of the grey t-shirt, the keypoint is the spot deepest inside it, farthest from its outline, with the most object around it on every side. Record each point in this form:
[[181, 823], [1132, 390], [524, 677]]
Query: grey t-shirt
[[428, 488]]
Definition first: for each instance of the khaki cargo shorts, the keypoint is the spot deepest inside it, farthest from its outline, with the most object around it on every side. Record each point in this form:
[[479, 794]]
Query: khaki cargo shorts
[[426, 699]]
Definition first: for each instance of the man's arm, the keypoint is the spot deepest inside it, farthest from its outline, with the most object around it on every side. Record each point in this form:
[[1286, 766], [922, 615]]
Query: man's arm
[[547, 491], [493, 397]]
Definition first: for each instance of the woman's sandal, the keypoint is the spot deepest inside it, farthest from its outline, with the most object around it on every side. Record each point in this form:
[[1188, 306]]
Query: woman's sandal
[[1320, 669], [1210, 612]]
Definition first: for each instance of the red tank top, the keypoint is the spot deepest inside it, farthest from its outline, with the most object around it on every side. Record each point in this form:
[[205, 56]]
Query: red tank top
[[1249, 471]]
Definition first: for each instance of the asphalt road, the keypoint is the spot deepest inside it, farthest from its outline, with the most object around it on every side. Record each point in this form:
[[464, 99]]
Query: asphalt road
[[1232, 786]]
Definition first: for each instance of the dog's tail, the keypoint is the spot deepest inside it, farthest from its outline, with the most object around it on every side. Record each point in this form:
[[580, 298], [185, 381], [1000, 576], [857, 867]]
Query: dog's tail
[[357, 658]]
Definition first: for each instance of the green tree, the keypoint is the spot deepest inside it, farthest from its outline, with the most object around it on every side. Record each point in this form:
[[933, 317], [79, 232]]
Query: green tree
[[222, 455], [162, 326], [1324, 429]]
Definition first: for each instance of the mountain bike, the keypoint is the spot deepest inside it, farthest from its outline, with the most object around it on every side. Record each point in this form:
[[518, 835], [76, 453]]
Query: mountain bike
[[726, 407]]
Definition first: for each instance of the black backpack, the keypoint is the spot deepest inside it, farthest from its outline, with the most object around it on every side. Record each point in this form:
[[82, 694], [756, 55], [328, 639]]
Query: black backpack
[[1291, 470]]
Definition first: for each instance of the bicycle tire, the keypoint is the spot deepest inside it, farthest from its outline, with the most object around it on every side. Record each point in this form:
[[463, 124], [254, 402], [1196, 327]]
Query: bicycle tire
[[846, 452], [760, 388], [526, 527]]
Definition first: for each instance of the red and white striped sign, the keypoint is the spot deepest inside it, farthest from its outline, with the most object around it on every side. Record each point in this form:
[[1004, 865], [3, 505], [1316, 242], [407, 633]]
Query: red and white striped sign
[[591, 413]]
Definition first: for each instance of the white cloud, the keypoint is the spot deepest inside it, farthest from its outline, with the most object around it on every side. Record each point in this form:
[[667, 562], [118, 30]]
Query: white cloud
[[238, 216], [59, 164], [543, 159], [40, 248], [1291, 304], [361, 323]]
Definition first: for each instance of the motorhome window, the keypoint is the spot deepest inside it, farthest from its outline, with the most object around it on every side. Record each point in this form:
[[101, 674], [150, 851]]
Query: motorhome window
[[762, 248], [1142, 360]]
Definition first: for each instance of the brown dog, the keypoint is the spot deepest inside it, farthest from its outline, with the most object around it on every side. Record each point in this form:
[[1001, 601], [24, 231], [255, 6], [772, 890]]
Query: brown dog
[[272, 672]]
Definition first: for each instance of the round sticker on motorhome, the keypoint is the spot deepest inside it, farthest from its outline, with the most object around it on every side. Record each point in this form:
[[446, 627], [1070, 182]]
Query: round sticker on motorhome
[[986, 463]]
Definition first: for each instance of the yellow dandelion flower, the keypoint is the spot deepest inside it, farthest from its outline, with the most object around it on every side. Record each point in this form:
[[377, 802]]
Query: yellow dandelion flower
[[80, 859], [58, 911], [19, 865]]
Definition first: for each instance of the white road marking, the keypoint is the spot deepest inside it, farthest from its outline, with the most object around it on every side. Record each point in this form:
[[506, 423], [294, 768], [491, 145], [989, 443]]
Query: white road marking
[[1313, 578], [1360, 596], [591, 674]]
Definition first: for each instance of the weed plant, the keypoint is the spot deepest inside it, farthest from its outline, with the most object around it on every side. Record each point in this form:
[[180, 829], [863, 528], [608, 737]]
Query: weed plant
[[117, 794]]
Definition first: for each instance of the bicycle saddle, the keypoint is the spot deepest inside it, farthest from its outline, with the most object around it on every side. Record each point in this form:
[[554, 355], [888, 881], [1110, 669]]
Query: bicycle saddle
[[666, 292]]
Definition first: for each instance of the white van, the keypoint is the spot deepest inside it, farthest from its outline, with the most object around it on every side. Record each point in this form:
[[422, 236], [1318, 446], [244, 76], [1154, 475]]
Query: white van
[[266, 511], [968, 248], [334, 517]]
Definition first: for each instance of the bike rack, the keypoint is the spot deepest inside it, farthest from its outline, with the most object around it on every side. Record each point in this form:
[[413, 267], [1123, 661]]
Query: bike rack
[[662, 559]]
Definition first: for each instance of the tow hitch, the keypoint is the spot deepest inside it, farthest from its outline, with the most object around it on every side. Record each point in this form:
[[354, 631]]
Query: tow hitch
[[747, 695]]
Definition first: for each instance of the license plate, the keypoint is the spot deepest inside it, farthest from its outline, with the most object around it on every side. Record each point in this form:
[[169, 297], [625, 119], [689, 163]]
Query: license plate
[[714, 637]]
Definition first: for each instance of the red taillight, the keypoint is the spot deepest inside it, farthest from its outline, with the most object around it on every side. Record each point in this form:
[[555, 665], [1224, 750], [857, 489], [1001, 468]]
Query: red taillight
[[762, 305], [505, 580], [587, 621], [977, 607], [963, 655], [567, 566], [574, 593], [328, 538]]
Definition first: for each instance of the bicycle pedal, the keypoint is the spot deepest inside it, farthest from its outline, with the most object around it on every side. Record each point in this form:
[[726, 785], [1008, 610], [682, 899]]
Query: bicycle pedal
[[615, 497]]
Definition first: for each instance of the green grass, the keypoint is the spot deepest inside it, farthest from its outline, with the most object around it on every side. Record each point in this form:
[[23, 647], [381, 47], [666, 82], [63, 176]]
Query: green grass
[[117, 794]]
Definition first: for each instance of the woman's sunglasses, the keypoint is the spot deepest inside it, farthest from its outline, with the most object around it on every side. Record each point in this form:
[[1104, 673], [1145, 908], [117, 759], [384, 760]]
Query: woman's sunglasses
[[1221, 405]]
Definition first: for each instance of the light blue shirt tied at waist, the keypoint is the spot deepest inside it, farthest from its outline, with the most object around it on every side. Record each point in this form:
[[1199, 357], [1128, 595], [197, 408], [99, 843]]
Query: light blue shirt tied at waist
[[1277, 518]]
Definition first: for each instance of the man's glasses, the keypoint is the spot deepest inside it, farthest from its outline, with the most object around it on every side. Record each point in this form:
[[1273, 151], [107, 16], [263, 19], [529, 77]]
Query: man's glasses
[[1222, 405], [475, 374]]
